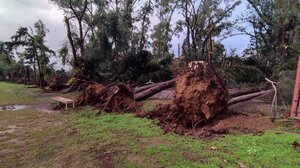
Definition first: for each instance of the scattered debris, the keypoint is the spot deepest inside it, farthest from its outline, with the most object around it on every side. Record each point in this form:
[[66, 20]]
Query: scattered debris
[[213, 148]]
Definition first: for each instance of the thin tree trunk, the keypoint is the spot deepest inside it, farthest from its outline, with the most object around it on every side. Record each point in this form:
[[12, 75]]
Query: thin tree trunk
[[71, 42], [34, 71], [187, 34]]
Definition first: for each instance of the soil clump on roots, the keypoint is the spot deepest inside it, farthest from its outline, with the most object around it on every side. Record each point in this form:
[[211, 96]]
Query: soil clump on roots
[[117, 99]]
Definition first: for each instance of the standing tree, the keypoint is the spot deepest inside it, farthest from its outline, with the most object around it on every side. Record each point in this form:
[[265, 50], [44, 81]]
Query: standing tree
[[205, 20], [275, 36], [77, 28], [35, 48], [163, 31]]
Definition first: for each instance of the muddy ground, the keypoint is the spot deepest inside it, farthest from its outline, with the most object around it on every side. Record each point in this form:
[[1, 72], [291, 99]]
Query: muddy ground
[[253, 116]]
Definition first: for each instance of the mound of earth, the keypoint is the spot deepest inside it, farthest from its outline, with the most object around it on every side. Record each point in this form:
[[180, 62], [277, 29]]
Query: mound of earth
[[119, 99]]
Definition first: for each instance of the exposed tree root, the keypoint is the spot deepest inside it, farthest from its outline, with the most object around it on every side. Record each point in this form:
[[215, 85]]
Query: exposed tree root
[[118, 100]]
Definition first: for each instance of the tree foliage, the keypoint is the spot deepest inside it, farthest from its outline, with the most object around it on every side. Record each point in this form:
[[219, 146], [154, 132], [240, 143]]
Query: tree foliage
[[275, 36]]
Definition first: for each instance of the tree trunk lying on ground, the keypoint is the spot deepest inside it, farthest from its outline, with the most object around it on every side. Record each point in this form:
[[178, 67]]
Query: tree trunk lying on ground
[[240, 92], [140, 89], [247, 97], [169, 94], [153, 90]]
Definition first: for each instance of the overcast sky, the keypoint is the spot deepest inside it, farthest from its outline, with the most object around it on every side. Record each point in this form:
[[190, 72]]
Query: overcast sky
[[16, 13]]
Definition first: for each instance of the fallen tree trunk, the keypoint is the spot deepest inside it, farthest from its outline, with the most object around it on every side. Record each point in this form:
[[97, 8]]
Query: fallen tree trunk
[[169, 95], [243, 98], [140, 89], [240, 92], [153, 90], [146, 87]]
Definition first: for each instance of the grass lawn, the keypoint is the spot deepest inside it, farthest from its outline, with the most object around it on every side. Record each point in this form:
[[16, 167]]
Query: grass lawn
[[29, 138], [20, 94]]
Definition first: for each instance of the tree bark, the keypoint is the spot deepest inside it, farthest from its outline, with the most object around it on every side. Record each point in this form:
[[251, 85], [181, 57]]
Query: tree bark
[[34, 71]]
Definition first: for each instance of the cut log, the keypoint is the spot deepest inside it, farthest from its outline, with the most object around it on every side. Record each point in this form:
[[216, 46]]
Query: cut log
[[243, 98], [153, 90]]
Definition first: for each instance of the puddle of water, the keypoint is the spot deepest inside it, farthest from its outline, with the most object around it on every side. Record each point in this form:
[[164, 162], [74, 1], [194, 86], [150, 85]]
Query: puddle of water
[[12, 107]]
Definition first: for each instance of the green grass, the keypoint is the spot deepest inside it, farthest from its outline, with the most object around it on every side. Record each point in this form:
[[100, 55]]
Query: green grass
[[82, 139], [145, 140], [20, 94]]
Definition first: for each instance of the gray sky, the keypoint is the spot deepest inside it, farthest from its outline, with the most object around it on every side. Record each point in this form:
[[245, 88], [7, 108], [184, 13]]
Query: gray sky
[[16, 13]]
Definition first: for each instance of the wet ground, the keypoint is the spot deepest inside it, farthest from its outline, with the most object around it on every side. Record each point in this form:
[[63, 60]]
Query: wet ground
[[12, 107]]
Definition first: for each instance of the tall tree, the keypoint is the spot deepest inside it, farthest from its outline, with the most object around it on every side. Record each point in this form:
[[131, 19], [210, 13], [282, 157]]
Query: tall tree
[[205, 19], [275, 36], [163, 31], [34, 43], [77, 28]]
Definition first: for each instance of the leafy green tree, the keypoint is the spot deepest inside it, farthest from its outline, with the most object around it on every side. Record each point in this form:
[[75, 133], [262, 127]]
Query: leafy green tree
[[275, 36], [205, 20], [35, 49], [163, 31]]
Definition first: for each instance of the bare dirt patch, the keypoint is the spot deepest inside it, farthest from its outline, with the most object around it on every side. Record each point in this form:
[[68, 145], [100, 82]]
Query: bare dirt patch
[[243, 123]]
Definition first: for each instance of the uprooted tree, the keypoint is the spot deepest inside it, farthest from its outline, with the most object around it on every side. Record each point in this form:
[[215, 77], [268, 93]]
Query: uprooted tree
[[199, 96], [118, 99]]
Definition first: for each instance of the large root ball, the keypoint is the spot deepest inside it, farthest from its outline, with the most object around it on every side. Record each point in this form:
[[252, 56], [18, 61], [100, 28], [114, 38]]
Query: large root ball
[[200, 97]]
